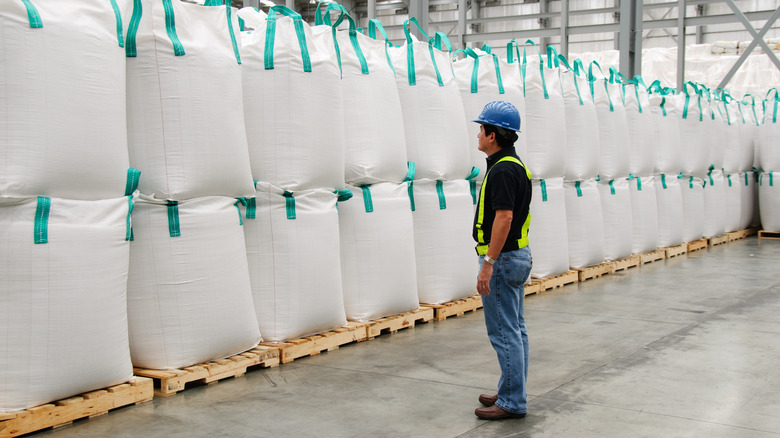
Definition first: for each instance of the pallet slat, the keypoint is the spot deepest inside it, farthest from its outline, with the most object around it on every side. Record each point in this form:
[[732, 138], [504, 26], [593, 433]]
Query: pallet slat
[[455, 308], [172, 381], [533, 287], [88, 405], [697, 245], [652, 256], [740, 234], [316, 344], [718, 240], [626, 263], [768, 235], [392, 324], [674, 251], [559, 280], [595, 271]]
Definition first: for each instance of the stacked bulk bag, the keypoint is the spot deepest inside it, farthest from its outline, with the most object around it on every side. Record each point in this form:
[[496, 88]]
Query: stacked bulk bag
[[375, 149], [618, 223], [714, 204], [642, 127], [447, 265], [63, 303], [666, 108], [769, 201], [748, 185], [189, 297], [613, 131], [377, 252], [720, 128], [63, 115], [693, 208], [733, 202], [293, 103], [544, 125], [292, 242], [582, 132], [670, 211], [644, 214], [548, 236], [769, 134], [434, 119], [184, 101], [584, 223], [695, 152], [730, 138], [483, 78]]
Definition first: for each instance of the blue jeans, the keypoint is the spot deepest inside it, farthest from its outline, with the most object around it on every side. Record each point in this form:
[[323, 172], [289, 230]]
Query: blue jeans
[[505, 324]]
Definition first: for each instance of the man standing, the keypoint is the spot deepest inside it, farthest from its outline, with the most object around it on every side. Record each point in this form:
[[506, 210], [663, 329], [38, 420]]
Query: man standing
[[501, 231]]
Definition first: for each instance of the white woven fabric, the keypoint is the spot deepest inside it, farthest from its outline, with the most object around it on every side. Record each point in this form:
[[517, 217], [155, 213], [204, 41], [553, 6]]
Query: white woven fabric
[[644, 214], [582, 129], [769, 200], [668, 150], [618, 222], [613, 130], [547, 236], [584, 224], [733, 202], [670, 210], [693, 208], [714, 204], [642, 129]]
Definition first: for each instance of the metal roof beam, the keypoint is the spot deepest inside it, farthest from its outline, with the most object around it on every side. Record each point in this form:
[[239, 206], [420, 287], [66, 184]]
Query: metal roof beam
[[758, 38]]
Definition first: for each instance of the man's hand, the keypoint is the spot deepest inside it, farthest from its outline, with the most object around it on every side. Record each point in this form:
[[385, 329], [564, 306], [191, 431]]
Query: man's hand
[[483, 281]]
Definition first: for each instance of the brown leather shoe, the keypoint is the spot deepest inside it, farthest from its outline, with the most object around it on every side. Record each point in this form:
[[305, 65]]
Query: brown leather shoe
[[488, 400], [495, 413]]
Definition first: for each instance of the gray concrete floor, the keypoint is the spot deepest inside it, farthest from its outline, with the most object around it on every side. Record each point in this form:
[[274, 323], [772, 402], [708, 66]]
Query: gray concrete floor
[[686, 347]]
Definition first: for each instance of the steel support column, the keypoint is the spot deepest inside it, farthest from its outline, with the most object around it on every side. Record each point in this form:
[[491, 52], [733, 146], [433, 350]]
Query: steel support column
[[680, 44], [371, 9], [544, 23], [565, 28], [419, 10], [462, 10], [758, 38], [630, 46]]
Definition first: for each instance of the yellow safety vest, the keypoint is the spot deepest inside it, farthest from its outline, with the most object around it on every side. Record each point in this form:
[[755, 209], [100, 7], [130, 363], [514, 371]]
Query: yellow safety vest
[[482, 247]]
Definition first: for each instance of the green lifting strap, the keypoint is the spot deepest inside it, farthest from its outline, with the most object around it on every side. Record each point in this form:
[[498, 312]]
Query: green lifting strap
[[440, 193], [663, 181], [410, 52], [771, 179], [318, 21], [497, 67], [473, 190], [32, 15], [411, 170], [747, 180], [289, 204], [243, 201], [353, 31], [729, 177], [577, 67], [475, 70], [373, 25], [486, 48], [170, 27], [270, 36], [174, 226], [579, 189], [612, 186], [133, 178], [129, 221], [541, 67], [367, 201], [131, 50], [119, 38], [241, 24], [228, 13], [474, 173], [543, 185], [343, 195], [251, 208], [410, 191], [436, 41], [690, 182], [42, 220]]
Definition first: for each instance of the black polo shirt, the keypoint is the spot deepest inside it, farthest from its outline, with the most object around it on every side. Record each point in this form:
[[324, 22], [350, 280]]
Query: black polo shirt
[[508, 188]]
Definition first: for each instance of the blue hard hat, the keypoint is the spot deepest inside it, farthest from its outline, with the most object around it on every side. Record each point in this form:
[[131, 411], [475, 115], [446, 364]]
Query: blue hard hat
[[502, 114]]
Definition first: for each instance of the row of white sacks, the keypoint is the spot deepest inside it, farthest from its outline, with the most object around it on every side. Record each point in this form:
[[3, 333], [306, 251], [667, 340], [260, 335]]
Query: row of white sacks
[[203, 109]]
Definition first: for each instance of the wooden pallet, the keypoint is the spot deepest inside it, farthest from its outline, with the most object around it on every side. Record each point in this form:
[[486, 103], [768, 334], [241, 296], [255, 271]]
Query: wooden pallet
[[741, 234], [629, 262], [169, 382], [652, 256], [712, 241], [559, 280], [455, 308], [697, 245], [316, 344], [533, 287], [88, 405], [772, 235], [595, 271], [392, 324], [674, 251]]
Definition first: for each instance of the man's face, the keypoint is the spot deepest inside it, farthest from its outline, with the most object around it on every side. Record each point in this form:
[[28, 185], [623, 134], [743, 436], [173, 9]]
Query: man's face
[[483, 142]]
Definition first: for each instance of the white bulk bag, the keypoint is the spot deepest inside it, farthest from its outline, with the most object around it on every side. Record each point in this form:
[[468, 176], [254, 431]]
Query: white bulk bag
[[434, 119], [582, 130], [375, 149], [548, 237], [184, 101], [665, 106], [769, 200], [720, 129], [447, 265], [736, 136], [377, 252], [618, 223], [544, 126], [62, 100], [748, 189], [693, 133], [769, 136], [670, 211], [693, 208], [483, 78], [714, 204], [63, 303], [294, 262], [642, 128], [613, 126], [189, 299], [293, 103], [584, 223], [644, 214], [733, 202]]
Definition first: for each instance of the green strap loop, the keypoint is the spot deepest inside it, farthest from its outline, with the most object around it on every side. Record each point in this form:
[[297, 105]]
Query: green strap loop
[[579, 189], [729, 178], [474, 173], [435, 67], [543, 185], [367, 201], [612, 186], [120, 39], [373, 25], [251, 208], [129, 220], [131, 51], [497, 67], [440, 193], [410, 50], [170, 27], [133, 178], [318, 21], [174, 226], [690, 182], [410, 191], [270, 35], [242, 201], [663, 181], [486, 48], [475, 70], [577, 68], [289, 204], [541, 67], [343, 195], [33, 16], [410, 173], [228, 12], [241, 24], [42, 220]]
